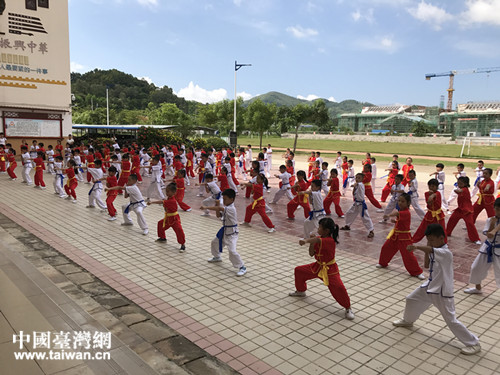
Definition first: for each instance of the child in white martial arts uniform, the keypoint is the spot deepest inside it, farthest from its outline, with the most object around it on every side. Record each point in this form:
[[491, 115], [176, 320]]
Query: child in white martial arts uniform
[[155, 189], [136, 203], [206, 170], [440, 176], [59, 177], [285, 188], [96, 190], [241, 164], [438, 290], [215, 194], [228, 235], [269, 154], [227, 164], [50, 158], [338, 161], [489, 253], [359, 207], [396, 190], [413, 192], [479, 177], [145, 158], [459, 173], [317, 210], [324, 176], [249, 156], [350, 180], [374, 174], [27, 165]]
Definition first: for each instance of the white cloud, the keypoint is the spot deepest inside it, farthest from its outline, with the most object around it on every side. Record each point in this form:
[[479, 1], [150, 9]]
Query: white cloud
[[282, 45], [431, 14], [244, 95], [309, 97], [477, 49], [78, 68], [147, 79], [237, 2], [148, 2], [321, 50], [379, 43], [482, 11], [332, 99], [301, 32], [196, 93], [367, 16]]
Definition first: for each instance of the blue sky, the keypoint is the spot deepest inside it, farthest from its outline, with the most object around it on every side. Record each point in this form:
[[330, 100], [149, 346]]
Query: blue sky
[[369, 50]]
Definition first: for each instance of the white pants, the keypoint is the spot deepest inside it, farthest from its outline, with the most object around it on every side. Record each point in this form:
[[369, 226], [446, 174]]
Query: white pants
[[155, 190], [325, 188], [209, 202], [145, 171], [79, 176], [50, 168], [95, 197], [452, 197], [57, 186], [231, 183], [480, 267], [248, 164], [374, 183], [419, 301], [186, 180], [279, 194], [241, 172], [475, 189], [311, 226], [414, 203], [137, 208], [269, 163], [391, 206], [356, 210], [229, 242], [444, 202], [26, 175]]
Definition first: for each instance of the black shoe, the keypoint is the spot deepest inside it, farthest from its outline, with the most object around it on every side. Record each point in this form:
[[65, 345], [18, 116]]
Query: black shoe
[[161, 240], [182, 249]]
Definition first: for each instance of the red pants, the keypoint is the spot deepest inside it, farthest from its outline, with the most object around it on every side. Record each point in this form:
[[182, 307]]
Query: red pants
[[179, 197], [39, 178], [385, 192], [371, 198], [122, 181], [235, 180], [10, 170], [490, 211], [335, 284], [260, 208], [420, 233], [190, 171], [89, 177], [293, 204], [469, 223], [248, 192], [391, 247], [137, 171], [109, 204], [335, 199], [176, 226], [70, 190], [2, 166]]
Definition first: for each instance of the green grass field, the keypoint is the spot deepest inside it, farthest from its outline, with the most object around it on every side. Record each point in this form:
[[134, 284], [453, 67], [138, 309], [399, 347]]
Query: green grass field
[[403, 149]]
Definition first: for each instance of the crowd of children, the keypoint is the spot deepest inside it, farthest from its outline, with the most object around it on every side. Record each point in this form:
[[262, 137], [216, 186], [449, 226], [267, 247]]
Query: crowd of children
[[116, 170]]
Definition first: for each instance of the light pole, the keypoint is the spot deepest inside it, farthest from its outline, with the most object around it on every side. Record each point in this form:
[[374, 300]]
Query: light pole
[[236, 68], [107, 105]]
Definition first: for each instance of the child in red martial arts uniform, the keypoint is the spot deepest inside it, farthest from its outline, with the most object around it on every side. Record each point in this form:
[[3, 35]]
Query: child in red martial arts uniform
[[393, 171], [405, 170], [222, 179], [72, 182], [39, 168], [463, 211], [301, 185], [367, 181], [400, 238], [125, 173], [434, 212], [11, 158], [179, 195], [310, 163], [259, 204], [486, 194], [333, 195], [171, 219], [111, 181], [325, 267]]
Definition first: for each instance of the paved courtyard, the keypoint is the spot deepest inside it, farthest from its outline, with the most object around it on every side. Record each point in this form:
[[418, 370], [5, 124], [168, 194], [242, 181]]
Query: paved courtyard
[[250, 323]]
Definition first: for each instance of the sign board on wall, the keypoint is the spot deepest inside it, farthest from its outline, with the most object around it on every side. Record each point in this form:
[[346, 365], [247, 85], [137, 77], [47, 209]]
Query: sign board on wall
[[32, 128], [34, 54]]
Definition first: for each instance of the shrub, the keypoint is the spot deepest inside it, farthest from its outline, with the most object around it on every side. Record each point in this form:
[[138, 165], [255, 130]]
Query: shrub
[[199, 143], [216, 142]]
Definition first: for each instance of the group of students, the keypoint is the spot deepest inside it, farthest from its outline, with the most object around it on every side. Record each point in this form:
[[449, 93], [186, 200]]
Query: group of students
[[402, 187]]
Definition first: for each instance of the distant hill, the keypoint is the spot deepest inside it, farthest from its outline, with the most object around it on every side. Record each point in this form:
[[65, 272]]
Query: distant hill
[[334, 108]]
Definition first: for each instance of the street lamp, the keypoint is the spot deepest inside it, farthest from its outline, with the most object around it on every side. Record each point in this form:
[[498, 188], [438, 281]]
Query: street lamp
[[236, 68], [107, 105]]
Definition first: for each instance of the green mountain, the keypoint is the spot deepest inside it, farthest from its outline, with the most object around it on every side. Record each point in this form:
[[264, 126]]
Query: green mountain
[[334, 108]]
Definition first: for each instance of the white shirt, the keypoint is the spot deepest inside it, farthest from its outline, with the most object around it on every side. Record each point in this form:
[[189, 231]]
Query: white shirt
[[115, 146], [183, 159], [214, 189], [3, 141], [134, 194], [228, 167], [395, 196], [26, 162], [249, 154], [320, 159], [77, 160], [119, 156], [208, 168], [494, 240], [156, 172], [413, 187], [359, 193], [269, 152], [440, 272], [350, 172], [285, 180], [316, 200], [324, 176], [374, 171], [33, 151], [338, 163], [58, 166], [230, 218], [262, 166], [50, 155], [96, 174], [441, 177], [118, 166]]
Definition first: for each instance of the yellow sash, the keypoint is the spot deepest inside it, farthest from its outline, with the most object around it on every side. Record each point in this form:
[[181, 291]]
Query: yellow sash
[[479, 201], [323, 272], [167, 215], [391, 233], [126, 171], [69, 180], [436, 213], [367, 183], [306, 196], [331, 192], [189, 163], [255, 202]]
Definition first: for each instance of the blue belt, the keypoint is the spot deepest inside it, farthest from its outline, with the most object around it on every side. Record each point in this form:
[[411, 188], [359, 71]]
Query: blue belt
[[62, 178], [410, 192], [455, 184], [93, 186], [489, 249], [364, 207], [477, 180], [241, 164], [346, 180], [220, 234], [311, 213], [217, 196], [127, 209]]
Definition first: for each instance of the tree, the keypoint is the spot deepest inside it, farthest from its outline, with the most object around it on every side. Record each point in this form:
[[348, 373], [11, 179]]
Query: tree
[[301, 113], [259, 117], [166, 114], [319, 115]]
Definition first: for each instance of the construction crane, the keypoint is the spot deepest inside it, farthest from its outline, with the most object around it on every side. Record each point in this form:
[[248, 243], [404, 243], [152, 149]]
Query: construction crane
[[452, 75]]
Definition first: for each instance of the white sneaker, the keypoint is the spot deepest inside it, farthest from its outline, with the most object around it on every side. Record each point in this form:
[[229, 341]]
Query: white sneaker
[[103, 210], [383, 221], [473, 290], [272, 230], [182, 249], [89, 206], [199, 195], [127, 224], [379, 210], [68, 197], [145, 231], [349, 315], [112, 218], [402, 323], [205, 214], [43, 187], [245, 224], [242, 271], [74, 201], [421, 277], [342, 216], [379, 266], [63, 196], [478, 243], [297, 294], [215, 260], [189, 210], [470, 350]]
